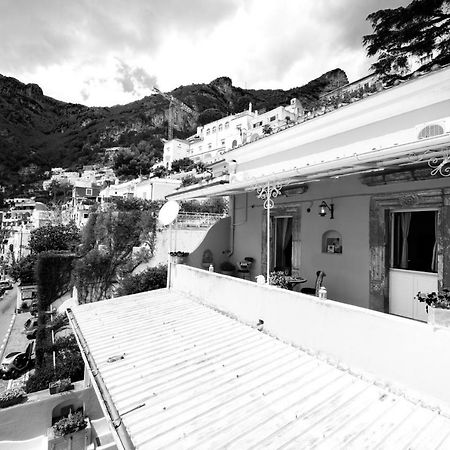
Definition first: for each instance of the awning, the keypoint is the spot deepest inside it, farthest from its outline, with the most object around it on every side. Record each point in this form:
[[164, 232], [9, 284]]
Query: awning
[[327, 165]]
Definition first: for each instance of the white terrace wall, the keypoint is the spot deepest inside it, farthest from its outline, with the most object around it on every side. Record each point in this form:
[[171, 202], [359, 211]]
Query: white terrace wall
[[401, 352], [32, 418]]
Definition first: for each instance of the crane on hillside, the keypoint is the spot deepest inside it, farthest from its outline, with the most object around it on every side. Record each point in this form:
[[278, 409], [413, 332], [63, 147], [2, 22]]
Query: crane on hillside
[[172, 102]]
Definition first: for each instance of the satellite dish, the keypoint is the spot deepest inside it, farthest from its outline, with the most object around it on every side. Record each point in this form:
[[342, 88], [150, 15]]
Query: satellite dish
[[169, 212]]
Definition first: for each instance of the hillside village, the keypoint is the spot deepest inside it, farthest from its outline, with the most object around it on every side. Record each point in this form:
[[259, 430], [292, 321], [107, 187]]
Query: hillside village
[[217, 267]]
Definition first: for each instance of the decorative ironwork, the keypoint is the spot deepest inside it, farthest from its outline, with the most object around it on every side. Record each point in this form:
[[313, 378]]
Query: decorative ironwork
[[439, 164], [267, 193]]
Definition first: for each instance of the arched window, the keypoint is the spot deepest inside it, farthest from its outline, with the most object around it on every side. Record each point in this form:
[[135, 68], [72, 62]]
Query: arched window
[[234, 144], [227, 124], [214, 129], [209, 146], [207, 131], [220, 127]]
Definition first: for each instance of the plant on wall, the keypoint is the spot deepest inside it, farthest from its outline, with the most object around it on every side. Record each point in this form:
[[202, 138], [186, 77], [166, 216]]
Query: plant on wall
[[441, 299], [70, 424], [278, 278]]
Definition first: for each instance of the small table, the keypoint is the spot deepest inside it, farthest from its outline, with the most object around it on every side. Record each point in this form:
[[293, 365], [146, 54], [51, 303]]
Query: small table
[[293, 281]]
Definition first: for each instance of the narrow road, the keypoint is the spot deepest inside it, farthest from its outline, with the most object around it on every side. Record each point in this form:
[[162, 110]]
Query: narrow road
[[7, 306]]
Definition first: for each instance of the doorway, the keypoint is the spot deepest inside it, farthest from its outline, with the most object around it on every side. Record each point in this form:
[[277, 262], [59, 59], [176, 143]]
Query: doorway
[[282, 244], [413, 261]]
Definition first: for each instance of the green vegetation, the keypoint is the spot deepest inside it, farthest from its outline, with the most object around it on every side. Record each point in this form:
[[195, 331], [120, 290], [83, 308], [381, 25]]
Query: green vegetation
[[53, 274], [138, 160], [24, 270], [150, 279], [417, 29], [54, 237], [108, 246], [73, 422], [12, 397], [69, 363]]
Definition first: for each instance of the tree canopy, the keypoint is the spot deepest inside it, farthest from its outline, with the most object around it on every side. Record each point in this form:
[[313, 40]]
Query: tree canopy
[[54, 237], [418, 29], [110, 243], [137, 160]]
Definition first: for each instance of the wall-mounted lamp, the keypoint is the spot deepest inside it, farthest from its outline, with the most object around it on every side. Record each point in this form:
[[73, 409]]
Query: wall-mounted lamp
[[323, 209]]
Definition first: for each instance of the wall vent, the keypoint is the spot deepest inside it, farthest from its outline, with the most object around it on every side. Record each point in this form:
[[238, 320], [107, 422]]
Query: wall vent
[[431, 131]]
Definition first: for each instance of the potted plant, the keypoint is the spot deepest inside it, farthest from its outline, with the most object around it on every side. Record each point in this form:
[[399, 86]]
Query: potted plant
[[227, 268], [178, 256], [70, 424], [65, 384], [437, 306], [12, 397], [278, 278]]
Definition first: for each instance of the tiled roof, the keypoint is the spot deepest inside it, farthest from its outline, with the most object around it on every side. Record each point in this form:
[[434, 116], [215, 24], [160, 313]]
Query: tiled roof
[[191, 377]]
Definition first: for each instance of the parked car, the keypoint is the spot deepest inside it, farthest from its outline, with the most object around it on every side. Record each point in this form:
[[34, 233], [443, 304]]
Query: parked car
[[6, 284], [15, 364], [30, 328]]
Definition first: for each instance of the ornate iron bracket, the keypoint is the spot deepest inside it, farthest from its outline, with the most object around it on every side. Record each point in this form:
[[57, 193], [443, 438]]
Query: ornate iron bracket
[[439, 166], [267, 193]]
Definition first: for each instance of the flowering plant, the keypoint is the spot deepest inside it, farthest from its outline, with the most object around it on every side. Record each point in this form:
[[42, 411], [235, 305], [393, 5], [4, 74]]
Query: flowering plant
[[180, 254], [441, 299], [278, 278]]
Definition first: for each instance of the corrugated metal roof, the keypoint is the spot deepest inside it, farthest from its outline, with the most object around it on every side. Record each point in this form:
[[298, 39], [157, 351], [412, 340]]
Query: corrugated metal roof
[[191, 377]]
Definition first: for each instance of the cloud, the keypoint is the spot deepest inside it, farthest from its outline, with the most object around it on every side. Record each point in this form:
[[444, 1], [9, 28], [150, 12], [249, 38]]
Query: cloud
[[101, 51], [46, 32], [134, 80]]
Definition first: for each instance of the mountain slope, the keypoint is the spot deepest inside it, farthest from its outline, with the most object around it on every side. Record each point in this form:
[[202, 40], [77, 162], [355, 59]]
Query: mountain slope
[[38, 132]]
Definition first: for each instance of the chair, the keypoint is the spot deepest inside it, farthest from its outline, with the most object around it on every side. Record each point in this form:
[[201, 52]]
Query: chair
[[315, 290]]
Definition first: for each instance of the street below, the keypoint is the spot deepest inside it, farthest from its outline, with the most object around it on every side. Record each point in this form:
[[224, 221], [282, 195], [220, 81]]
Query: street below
[[7, 306]]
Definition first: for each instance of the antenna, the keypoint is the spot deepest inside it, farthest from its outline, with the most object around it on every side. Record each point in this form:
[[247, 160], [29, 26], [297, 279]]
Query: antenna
[[169, 212]]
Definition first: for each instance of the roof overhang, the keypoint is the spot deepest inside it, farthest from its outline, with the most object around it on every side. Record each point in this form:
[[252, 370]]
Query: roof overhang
[[395, 157]]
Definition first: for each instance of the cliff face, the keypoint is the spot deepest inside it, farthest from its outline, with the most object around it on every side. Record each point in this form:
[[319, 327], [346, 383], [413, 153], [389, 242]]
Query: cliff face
[[38, 132]]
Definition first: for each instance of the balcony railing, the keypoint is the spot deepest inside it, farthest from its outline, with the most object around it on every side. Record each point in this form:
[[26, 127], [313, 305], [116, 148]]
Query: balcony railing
[[198, 220]]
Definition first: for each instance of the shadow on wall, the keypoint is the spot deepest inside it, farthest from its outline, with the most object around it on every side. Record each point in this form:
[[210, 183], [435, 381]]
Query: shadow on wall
[[217, 240]]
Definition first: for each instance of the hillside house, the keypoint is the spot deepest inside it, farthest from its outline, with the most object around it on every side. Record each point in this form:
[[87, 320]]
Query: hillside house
[[212, 140]]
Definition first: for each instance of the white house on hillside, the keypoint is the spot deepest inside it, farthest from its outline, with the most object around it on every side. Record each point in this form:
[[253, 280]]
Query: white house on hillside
[[214, 138]]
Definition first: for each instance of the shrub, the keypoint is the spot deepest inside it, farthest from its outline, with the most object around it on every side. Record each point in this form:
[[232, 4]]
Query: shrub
[[12, 397], [59, 321], [150, 279], [70, 424]]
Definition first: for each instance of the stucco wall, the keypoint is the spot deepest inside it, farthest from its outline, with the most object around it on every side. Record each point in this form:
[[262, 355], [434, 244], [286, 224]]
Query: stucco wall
[[405, 353], [217, 240], [247, 231], [347, 277]]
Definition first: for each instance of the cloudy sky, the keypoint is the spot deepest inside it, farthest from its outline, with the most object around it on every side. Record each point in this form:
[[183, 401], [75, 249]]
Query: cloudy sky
[[105, 52]]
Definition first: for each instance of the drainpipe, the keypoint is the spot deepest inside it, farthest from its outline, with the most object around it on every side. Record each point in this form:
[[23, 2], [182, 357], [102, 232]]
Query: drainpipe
[[233, 225], [99, 385]]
